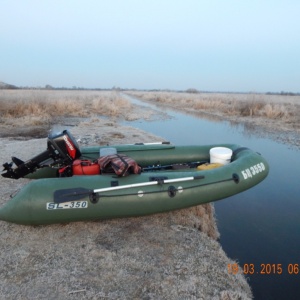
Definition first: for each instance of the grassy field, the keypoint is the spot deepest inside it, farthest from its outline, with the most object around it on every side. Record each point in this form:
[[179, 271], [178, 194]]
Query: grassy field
[[38, 107], [253, 105], [32, 113]]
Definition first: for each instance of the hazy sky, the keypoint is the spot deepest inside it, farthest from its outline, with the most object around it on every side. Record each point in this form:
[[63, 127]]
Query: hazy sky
[[210, 45]]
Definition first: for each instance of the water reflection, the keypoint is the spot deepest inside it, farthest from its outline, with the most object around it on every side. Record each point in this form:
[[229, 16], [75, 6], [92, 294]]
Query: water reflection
[[247, 129], [259, 226]]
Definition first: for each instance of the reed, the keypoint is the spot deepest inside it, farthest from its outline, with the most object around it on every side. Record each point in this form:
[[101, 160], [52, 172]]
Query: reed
[[240, 105], [276, 111], [251, 108], [41, 106]]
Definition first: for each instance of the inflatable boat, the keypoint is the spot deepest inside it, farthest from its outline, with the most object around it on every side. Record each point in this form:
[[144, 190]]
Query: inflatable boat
[[73, 184]]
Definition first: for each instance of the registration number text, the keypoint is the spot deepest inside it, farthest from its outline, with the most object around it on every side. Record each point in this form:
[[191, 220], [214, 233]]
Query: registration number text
[[253, 170], [67, 205]]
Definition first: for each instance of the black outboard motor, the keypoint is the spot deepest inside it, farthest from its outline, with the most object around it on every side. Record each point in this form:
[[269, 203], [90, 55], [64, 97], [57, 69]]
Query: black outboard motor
[[62, 149]]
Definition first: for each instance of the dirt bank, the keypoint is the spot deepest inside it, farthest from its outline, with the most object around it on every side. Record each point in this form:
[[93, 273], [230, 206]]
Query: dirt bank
[[163, 256]]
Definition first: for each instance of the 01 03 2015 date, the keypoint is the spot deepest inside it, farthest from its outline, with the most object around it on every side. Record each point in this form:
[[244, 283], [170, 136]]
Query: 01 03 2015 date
[[263, 269]]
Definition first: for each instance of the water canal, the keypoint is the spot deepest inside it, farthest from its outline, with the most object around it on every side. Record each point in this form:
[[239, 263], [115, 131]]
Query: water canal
[[260, 227]]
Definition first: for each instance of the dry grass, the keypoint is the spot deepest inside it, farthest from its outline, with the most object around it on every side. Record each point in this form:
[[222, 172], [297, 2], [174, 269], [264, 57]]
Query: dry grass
[[275, 116], [37, 107], [275, 111], [241, 105], [141, 258], [114, 105]]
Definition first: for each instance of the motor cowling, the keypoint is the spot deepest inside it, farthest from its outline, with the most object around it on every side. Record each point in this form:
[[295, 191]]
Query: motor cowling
[[62, 149], [63, 146]]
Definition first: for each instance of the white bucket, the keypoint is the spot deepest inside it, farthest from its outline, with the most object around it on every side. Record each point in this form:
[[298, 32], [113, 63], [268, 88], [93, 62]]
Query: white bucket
[[220, 155], [107, 151]]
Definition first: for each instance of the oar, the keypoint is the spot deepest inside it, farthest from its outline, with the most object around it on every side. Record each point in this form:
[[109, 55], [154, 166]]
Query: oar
[[66, 195], [154, 143], [193, 164]]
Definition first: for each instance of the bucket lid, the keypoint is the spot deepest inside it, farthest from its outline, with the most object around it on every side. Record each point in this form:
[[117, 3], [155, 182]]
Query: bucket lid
[[107, 151], [221, 152]]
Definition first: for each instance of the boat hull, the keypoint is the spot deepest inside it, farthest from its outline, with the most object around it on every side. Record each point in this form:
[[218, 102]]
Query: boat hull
[[36, 203]]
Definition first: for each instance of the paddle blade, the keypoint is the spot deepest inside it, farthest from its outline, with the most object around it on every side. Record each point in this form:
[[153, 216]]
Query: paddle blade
[[66, 195]]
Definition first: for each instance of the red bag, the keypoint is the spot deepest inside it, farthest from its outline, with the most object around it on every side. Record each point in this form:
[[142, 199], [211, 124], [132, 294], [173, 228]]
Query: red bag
[[85, 167]]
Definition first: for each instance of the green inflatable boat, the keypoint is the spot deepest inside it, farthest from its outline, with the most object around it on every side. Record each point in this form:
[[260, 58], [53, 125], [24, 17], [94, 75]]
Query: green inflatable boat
[[156, 178]]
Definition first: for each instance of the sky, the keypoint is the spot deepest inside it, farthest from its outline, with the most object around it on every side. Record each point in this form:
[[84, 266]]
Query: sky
[[208, 45]]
